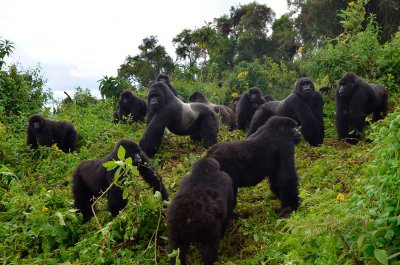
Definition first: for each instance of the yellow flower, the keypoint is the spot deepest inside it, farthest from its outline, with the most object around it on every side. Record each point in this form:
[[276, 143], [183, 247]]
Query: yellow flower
[[242, 74], [340, 197], [389, 76], [2, 129], [234, 94], [56, 150], [300, 49], [351, 4], [45, 209]]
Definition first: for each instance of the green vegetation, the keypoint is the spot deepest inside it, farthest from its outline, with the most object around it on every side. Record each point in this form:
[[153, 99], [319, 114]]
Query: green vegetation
[[349, 212]]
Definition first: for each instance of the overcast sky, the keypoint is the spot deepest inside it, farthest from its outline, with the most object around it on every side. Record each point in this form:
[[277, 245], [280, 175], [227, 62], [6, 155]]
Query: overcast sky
[[77, 42]]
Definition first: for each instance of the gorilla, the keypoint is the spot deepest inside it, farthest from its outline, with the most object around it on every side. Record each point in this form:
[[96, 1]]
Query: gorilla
[[247, 105], [269, 97], [355, 99], [226, 113], [45, 132], [235, 102], [91, 178], [194, 119], [304, 105], [325, 90], [200, 210], [130, 108], [269, 152], [165, 78]]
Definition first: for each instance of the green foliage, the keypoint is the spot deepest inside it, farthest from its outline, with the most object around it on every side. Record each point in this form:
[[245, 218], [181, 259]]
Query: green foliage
[[6, 48], [112, 87]]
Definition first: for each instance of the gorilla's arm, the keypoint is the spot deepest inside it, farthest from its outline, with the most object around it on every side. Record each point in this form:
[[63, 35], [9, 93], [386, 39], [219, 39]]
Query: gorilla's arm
[[243, 108], [317, 107], [309, 124], [153, 135], [259, 118], [31, 139], [151, 176]]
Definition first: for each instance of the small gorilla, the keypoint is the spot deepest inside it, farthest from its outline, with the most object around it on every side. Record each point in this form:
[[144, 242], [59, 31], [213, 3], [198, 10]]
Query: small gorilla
[[304, 105], [235, 102], [269, 97], [165, 78], [226, 113], [91, 178], [325, 90], [269, 152], [200, 210], [130, 108], [45, 132], [247, 106], [194, 119], [355, 99]]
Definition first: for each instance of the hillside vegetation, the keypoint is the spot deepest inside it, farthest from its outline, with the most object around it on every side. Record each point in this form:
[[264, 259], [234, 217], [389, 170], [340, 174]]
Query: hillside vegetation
[[350, 199]]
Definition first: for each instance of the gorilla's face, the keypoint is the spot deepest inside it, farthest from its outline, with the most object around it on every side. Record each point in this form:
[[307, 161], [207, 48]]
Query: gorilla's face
[[345, 88], [305, 87], [132, 150], [36, 123], [157, 96], [285, 127], [254, 95], [126, 97]]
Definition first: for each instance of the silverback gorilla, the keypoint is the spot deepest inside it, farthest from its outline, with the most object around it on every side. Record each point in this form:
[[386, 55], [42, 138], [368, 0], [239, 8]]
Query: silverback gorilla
[[269, 152], [194, 119], [200, 210], [91, 178], [130, 108], [45, 132], [355, 99], [228, 116], [247, 106], [304, 105]]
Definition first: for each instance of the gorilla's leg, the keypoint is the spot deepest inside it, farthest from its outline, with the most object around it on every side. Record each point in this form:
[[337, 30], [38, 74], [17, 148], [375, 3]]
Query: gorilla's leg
[[115, 200], [289, 197], [209, 130], [82, 198], [209, 252], [342, 126]]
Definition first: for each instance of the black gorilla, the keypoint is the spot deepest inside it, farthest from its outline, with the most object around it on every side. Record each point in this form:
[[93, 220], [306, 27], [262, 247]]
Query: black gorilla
[[130, 108], [226, 113], [91, 178], [45, 132], [269, 152], [235, 102], [325, 90], [355, 99], [304, 105], [194, 119], [247, 106], [165, 78], [200, 210], [269, 97]]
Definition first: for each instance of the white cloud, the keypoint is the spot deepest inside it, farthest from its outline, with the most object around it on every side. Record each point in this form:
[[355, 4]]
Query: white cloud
[[78, 42]]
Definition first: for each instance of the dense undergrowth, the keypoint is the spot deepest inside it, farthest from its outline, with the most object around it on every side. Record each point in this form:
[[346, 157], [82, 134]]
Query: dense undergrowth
[[349, 210]]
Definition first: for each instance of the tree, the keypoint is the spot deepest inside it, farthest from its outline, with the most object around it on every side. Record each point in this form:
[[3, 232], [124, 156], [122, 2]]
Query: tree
[[284, 43], [186, 47], [144, 67], [6, 48], [112, 87]]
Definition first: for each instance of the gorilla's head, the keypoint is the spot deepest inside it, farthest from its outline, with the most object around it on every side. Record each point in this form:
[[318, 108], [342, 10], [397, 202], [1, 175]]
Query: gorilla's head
[[159, 95], [132, 150], [164, 78], [205, 165], [346, 84], [198, 97], [36, 122], [279, 126], [255, 96], [305, 87], [127, 97]]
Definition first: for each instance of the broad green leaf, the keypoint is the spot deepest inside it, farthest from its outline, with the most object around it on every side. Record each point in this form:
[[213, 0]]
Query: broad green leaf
[[381, 256], [128, 161], [360, 241], [125, 194], [110, 165], [60, 218], [135, 171], [121, 152]]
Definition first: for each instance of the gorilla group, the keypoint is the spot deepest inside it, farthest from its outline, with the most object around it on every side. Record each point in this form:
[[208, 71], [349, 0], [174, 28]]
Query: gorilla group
[[130, 108], [91, 178], [45, 132], [228, 116], [304, 105], [355, 99], [269, 152], [194, 119], [200, 210]]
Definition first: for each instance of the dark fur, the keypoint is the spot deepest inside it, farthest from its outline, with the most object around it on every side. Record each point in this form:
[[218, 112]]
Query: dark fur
[[355, 100], [304, 105], [200, 210], [165, 78], [91, 178], [235, 102], [194, 119], [130, 108], [269, 152], [50, 132], [247, 106], [227, 114]]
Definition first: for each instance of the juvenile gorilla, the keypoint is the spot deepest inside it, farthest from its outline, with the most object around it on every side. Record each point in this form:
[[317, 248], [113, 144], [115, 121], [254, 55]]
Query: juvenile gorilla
[[304, 105], [91, 178], [130, 108], [226, 113], [194, 119], [200, 210], [165, 78], [45, 132], [355, 99], [247, 106], [269, 152], [235, 102]]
